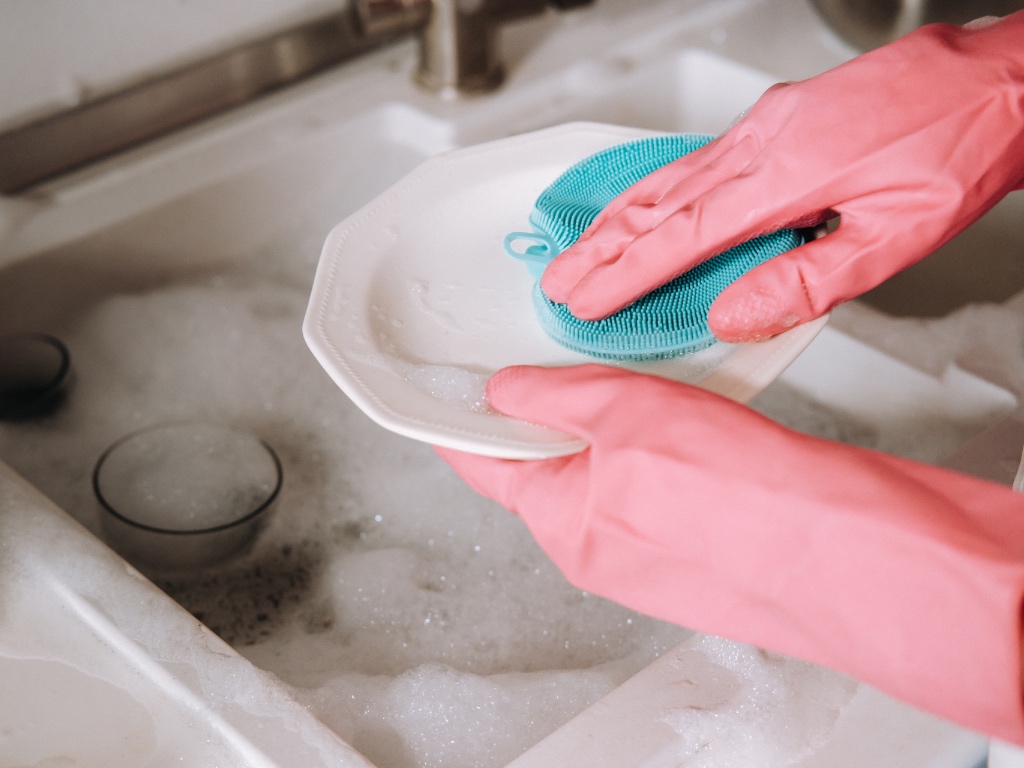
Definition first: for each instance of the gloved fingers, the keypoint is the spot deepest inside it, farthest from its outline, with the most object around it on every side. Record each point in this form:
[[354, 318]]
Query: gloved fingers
[[652, 188], [573, 264], [571, 399], [691, 235], [680, 183], [799, 285], [724, 157], [541, 396], [601, 404], [636, 211]]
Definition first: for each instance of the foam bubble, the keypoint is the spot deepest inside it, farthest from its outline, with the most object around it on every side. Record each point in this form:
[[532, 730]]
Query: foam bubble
[[450, 384], [783, 710], [380, 575], [418, 620], [412, 717]]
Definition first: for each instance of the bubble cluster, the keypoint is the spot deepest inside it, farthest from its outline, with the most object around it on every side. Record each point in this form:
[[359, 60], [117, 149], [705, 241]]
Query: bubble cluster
[[417, 619], [247, 602]]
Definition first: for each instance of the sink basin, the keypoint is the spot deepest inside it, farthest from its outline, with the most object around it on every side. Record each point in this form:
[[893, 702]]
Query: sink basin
[[177, 275], [101, 668], [981, 264]]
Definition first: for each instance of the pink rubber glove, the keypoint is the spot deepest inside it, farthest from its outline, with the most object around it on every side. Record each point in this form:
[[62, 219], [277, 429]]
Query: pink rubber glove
[[694, 509], [910, 143]]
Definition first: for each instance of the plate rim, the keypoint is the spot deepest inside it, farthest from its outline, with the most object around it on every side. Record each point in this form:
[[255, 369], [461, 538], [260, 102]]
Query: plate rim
[[775, 354]]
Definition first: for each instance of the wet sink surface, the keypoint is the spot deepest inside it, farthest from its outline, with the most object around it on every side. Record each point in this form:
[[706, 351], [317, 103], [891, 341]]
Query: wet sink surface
[[982, 264]]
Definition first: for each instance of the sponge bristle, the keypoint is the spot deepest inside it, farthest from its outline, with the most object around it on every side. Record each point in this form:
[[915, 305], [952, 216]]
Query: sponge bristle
[[672, 319]]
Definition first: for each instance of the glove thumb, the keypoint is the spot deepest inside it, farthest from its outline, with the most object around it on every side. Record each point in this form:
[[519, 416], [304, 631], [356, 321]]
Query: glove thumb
[[574, 399], [582, 400]]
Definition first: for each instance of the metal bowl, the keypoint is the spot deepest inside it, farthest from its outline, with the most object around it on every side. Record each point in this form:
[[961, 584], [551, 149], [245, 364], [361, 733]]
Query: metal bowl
[[867, 24]]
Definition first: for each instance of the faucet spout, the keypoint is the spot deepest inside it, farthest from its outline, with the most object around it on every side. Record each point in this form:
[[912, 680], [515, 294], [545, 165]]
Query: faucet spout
[[458, 38]]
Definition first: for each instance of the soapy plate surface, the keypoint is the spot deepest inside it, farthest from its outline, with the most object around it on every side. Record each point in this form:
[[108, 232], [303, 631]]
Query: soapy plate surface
[[415, 305]]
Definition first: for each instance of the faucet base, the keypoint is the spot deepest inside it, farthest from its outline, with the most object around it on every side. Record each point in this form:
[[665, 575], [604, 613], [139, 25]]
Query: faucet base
[[467, 85], [458, 46]]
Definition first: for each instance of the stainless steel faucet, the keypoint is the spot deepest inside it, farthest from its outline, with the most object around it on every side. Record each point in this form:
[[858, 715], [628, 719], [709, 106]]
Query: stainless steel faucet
[[458, 42]]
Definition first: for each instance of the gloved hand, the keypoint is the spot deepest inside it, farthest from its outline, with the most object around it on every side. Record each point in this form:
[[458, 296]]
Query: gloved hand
[[694, 509], [909, 143]]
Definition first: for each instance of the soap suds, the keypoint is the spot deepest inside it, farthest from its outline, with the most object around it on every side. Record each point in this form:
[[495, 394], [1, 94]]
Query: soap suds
[[418, 620], [783, 710], [187, 476], [380, 577], [449, 384]]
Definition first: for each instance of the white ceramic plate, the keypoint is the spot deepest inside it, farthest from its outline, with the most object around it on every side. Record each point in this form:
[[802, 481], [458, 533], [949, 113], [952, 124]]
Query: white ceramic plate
[[415, 304]]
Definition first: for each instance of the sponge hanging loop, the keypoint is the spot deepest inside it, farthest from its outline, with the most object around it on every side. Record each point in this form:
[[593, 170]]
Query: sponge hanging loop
[[536, 256]]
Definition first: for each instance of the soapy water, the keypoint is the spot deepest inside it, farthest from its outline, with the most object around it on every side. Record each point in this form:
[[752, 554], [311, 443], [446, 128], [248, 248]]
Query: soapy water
[[380, 576], [28, 709], [187, 476], [454, 386], [789, 407], [783, 711], [982, 339], [419, 621], [462, 386]]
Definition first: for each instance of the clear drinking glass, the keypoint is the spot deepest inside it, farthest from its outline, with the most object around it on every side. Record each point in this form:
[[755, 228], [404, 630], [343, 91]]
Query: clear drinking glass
[[185, 495]]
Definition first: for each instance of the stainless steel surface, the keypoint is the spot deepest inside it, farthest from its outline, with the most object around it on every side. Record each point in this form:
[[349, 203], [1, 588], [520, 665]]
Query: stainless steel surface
[[458, 45], [995, 454], [868, 24], [377, 17], [981, 264], [458, 54], [54, 145], [457, 49]]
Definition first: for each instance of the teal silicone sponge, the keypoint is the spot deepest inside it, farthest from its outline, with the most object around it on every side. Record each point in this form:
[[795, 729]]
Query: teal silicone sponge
[[672, 319]]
